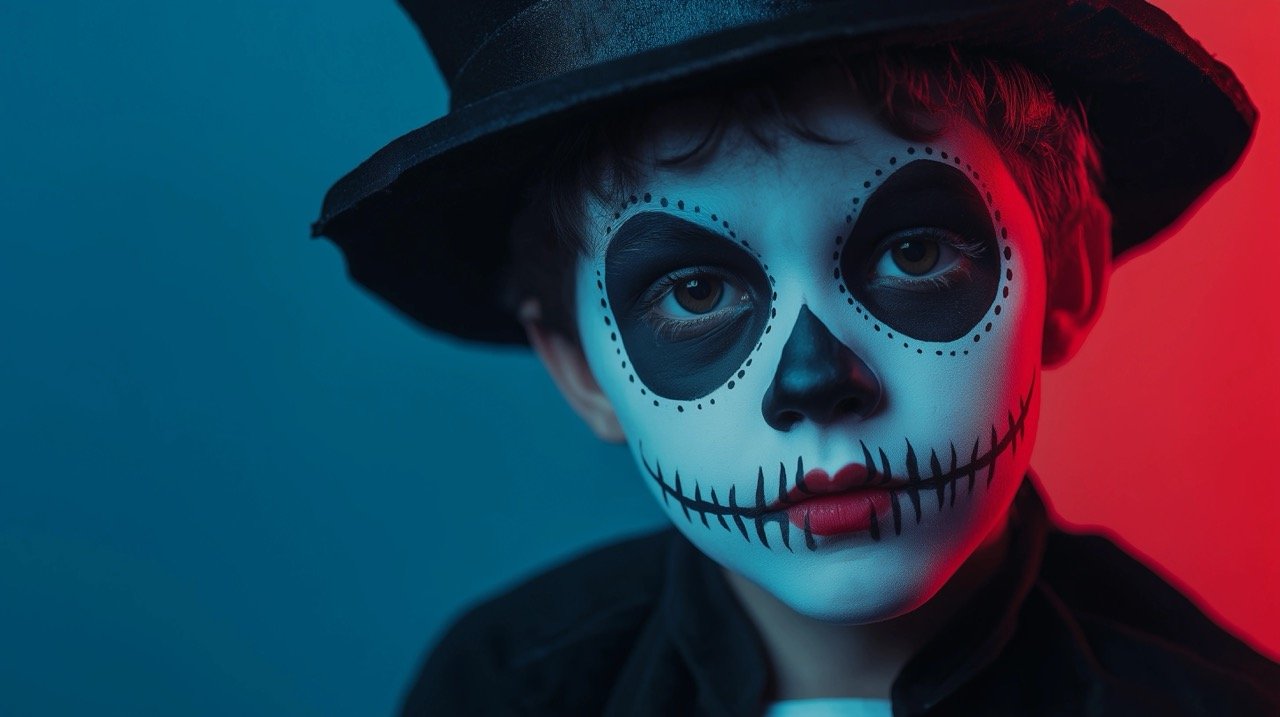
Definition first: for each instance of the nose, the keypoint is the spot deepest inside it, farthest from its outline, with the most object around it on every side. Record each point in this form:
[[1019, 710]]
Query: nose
[[818, 379]]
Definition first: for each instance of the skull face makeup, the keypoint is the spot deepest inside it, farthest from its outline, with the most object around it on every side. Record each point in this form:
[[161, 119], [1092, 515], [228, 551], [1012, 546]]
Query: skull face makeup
[[825, 358]]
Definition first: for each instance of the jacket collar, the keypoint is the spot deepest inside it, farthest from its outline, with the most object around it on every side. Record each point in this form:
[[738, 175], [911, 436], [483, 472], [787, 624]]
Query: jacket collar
[[980, 630]]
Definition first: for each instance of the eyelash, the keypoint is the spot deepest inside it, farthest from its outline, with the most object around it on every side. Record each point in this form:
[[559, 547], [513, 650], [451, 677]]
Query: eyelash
[[968, 251], [673, 329]]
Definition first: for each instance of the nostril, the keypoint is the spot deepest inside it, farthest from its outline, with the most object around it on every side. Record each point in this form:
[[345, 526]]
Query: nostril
[[785, 420], [848, 406]]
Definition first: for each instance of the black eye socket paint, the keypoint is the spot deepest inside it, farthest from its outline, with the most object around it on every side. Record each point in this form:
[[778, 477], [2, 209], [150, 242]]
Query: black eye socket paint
[[645, 248], [924, 194]]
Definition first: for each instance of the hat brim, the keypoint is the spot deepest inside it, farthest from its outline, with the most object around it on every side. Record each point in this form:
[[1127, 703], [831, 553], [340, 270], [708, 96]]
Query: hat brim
[[423, 222]]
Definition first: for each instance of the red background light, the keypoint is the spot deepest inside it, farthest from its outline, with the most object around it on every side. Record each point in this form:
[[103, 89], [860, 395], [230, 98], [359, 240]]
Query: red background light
[[1162, 428]]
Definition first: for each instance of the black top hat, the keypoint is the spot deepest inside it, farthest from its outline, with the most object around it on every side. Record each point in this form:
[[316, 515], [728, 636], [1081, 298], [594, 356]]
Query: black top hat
[[423, 222]]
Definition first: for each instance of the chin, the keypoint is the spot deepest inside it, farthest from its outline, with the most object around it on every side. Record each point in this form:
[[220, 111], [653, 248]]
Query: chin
[[857, 598], [860, 584]]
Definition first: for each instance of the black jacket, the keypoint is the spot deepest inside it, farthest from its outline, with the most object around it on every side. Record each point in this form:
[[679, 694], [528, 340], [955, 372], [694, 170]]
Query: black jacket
[[1071, 625]]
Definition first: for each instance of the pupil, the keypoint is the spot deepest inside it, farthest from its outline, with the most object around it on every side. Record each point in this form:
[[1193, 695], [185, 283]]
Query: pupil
[[697, 290], [912, 251], [699, 294]]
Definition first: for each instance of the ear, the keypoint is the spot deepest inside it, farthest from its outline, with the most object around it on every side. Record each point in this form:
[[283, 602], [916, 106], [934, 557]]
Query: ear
[[1076, 286], [568, 367]]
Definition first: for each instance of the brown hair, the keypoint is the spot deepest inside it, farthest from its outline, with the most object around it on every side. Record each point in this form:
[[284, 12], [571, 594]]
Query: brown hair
[[1043, 139]]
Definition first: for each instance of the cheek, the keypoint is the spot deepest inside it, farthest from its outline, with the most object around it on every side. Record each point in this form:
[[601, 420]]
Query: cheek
[[972, 380]]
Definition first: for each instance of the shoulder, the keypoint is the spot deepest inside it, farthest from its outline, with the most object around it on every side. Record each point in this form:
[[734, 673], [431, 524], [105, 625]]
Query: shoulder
[[580, 616], [1146, 635]]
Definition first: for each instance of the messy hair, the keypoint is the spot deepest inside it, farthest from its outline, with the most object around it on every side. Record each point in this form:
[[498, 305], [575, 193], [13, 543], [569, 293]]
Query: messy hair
[[1043, 139]]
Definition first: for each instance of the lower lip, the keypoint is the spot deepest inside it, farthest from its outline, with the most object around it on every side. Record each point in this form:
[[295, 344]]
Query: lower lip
[[841, 513]]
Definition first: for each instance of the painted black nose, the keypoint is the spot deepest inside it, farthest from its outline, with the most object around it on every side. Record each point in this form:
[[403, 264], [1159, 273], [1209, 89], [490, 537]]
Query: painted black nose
[[819, 379]]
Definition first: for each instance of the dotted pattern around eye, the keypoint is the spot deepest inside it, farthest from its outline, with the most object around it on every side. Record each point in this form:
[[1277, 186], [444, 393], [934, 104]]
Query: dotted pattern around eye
[[921, 348], [721, 223]]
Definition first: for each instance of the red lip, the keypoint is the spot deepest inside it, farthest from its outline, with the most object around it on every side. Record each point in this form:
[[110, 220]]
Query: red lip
[[837, 504], [818, 481]]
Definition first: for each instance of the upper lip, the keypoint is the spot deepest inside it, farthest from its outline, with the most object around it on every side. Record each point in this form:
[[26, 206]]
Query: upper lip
[[818, 481]]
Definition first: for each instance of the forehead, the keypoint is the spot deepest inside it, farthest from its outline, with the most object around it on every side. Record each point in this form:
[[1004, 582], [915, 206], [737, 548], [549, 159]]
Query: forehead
[[768, 174]]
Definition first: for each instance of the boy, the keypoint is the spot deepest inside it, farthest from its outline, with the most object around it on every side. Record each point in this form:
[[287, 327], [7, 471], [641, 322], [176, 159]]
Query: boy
[[807, 263]]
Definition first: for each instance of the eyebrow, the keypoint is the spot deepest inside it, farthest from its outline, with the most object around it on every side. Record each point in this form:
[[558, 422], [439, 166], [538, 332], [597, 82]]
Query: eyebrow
[[646, 231]]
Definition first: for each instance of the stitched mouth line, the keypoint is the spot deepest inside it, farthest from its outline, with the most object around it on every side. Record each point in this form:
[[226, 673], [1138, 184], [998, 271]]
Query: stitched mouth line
[[762, 511]]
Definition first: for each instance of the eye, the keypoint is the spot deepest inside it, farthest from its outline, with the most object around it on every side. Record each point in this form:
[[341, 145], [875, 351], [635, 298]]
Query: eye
[[915, 256], [923, 256], [698, 294], [695, 301]]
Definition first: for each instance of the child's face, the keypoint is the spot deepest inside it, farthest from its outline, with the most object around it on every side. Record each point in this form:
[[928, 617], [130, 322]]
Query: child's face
[[841, 315]]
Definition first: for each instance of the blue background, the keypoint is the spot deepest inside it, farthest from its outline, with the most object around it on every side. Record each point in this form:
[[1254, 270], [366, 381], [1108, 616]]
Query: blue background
[[230, 481]]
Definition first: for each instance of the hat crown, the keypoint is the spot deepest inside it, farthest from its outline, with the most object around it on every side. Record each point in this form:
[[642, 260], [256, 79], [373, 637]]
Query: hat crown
[[453, 30], [485, 48]]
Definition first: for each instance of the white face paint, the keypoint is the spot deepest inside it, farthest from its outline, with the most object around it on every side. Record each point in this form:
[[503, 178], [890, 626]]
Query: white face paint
[[755, 329]]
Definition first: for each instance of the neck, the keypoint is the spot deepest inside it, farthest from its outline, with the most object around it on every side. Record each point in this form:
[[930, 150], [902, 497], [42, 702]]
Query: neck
[[811, 658]]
